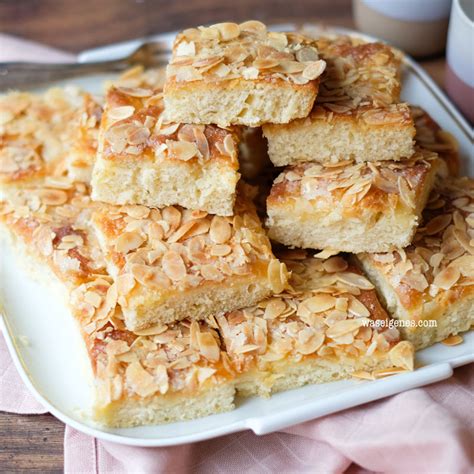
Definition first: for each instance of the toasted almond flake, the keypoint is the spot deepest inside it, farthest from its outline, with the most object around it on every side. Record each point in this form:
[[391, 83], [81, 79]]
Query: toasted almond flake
[[152, 330], [335, 264], [326, 253], [274, 308], [181, 150], [53, 197], [173, 265], [172, 216], [358, 308], [453, 340], [314, 70], [211, 273], [320, 303], [121, 113], [387, 372], [363, 374], [356, 280], [220, 231], [220, 250], [229, 146], [139, 380], [447, 278], [93, 298], [464, 240], [265, 63], [402, 355], [277, 276], [208, 346], [228, 31], [406, 194], [125, 283], [437, 224], [310, 346], [128, 241], [344, 327]]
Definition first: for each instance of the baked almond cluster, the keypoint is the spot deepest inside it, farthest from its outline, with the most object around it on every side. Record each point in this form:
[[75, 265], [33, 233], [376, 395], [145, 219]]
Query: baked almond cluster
[[139, 203]]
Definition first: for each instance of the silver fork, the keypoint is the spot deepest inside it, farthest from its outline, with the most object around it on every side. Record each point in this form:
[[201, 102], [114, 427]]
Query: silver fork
[[17, 75]]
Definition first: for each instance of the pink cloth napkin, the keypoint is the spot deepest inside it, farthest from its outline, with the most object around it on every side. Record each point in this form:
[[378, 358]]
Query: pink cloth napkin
[[428, 430]]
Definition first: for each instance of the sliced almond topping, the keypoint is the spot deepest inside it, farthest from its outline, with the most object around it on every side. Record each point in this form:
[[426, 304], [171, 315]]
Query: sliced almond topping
[[274, 308], [406, 194], [181, 150], [139, 380], [344, 327], [453, 340], [228, 31], [229, 145], [220, 231], [208, 346], [358, 309], [128, 241], [437, 224], [220, 250], [320, 303], [53, 197], [387, 372], [447, 278], [125, 283], [335, 264], [162, 379], [356, 280], [121, 113], [311, 344], [363, 374], [277, 276], [314, 70], [152, 330], [402, 355], [173, 265]]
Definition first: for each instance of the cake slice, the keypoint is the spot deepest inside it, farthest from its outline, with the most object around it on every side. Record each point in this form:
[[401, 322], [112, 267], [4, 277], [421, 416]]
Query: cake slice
[[351, 207], [357, 114], [37, 132], [328, 326], [173, 263], [241, 74], [141, 160], [429, 286]]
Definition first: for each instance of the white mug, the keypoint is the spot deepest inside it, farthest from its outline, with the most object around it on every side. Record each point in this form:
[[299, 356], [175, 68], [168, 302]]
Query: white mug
[[459, 80], [418, 27]]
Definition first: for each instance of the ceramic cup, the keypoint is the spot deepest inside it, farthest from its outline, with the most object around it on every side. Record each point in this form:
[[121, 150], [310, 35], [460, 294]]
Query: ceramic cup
[[418, 27], [459, 80]]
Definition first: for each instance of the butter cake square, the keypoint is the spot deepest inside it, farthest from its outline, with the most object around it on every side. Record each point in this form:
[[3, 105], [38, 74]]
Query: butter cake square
[[357, 114], [329, 325], [142, 160], [174, 262], [351, 206], [241, 74], [429, 286]]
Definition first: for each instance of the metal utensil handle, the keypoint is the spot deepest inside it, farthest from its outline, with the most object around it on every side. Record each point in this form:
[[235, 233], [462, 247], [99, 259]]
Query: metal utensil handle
[[18, 74]]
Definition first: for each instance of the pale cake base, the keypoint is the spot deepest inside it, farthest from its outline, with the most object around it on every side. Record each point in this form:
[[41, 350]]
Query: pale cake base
[[206, 186], [238, 102], [290, 375], [197, 303], [331, 137], [171, 408]]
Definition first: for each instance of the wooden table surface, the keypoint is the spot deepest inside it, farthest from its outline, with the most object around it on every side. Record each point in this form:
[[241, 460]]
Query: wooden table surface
[[36, 442]]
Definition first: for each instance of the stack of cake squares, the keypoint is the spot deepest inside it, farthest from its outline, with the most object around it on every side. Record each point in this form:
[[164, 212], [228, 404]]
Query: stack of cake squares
[[136, 205], [356, 181]]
